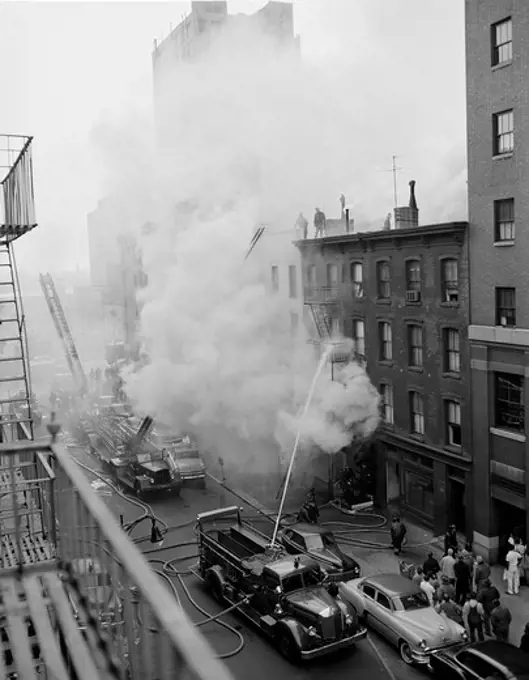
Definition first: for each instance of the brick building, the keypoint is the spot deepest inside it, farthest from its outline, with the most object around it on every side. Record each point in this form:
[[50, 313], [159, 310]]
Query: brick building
[[497, 53], [402, 295]]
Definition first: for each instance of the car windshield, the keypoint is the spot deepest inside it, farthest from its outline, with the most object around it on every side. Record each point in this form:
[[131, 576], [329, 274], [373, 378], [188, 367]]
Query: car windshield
[[413, 601], [149, 457], [314, 542], [299, 580]]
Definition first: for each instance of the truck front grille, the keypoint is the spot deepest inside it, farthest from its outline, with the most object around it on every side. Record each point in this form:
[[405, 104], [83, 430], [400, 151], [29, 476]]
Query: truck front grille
[[328, 628], [162, 477]]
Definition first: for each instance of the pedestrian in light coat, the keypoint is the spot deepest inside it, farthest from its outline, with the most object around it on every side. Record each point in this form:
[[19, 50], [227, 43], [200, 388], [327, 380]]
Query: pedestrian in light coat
[[513, 560], [447, 565]]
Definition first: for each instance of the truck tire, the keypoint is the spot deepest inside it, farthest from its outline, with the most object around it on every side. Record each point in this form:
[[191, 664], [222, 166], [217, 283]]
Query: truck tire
[[213, 584], [288, 646]]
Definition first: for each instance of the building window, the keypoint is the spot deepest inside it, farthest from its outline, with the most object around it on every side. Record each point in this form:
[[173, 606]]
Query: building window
[[452, 352], [275, 277], [453, 423], [504, 220], [415, 345], [294, 323], [357, 278], [332, 276], [386, 341], [450, 280], [359, 337], [509, 401], [311, 275], [501, 42], [418, 492], [503, 130], [416, 413], [413, 275], [383, 280], [292, 281], [386, 403], [505, 307]]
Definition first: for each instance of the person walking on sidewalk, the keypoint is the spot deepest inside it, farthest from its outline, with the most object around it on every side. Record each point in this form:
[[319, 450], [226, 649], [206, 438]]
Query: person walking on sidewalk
[[428, 588], [398, 534], [447, 565], [431, 565], [473, 615], [487, 596], [451, 539], [462, 574], [513, 560], [446, 588], [524, 566], [500, 620], [450, 609], [524, 642], [481, 573]]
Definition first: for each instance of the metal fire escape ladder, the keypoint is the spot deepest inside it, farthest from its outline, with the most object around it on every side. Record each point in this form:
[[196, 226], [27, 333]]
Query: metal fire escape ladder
[[15, 385], [321, 319], [63, 329]]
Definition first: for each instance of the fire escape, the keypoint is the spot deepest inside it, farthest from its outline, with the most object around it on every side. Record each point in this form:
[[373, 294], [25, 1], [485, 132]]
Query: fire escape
[[17, 217], [78, 600]]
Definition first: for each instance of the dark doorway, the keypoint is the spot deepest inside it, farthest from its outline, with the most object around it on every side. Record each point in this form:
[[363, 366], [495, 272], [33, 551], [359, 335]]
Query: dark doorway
[[457, 505], [510, 519]]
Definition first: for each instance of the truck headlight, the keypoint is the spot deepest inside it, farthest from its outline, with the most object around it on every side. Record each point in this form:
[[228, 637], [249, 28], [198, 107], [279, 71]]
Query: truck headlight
[[278, 609], [312, 631], [464, 635], [349, 620], [423, 644]]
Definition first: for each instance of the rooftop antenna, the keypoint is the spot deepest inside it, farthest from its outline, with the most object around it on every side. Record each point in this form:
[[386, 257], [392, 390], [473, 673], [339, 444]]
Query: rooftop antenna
[[394, 170]]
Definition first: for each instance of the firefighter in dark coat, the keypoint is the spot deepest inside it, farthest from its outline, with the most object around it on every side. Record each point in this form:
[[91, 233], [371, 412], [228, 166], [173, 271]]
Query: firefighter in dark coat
[[398, 533]]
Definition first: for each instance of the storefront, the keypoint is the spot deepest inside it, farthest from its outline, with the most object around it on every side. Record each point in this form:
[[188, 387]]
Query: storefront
[[428, 490]]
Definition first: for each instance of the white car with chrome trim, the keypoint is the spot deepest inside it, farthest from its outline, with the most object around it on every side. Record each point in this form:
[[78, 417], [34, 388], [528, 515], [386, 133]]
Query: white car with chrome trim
[[399, 610]]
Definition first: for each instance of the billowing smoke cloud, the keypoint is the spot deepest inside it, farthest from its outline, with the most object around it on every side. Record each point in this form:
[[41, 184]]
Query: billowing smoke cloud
[[243, 141]]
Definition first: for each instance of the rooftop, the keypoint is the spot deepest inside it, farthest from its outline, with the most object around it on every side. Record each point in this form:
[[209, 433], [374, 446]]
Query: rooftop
[[359, 238]]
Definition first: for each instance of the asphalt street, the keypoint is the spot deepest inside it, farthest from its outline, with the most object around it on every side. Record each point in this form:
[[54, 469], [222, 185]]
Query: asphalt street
[[372, 658]]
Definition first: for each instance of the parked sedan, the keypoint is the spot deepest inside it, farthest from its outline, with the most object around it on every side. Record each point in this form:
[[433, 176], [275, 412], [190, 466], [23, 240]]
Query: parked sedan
[[398, 609], [320, 544], [481, 661]]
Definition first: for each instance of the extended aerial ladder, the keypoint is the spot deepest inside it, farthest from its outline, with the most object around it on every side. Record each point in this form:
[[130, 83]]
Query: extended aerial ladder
[[63, 329]]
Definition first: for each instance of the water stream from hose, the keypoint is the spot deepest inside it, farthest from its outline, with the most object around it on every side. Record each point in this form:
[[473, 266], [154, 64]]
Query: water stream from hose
[[310, 394]]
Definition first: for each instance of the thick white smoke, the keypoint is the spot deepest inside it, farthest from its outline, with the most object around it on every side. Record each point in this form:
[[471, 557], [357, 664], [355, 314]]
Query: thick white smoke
[[246, 137]]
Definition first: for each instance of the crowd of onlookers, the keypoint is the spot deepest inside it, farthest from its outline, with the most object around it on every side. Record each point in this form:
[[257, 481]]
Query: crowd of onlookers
[[459, 586]]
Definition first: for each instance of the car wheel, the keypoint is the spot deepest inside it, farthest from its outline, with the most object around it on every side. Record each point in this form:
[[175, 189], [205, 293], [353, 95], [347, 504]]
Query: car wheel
[[405, 653], [288, 647]]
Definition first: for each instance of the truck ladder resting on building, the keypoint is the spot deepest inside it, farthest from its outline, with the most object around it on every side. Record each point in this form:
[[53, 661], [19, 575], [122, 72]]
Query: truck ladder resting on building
[[77, 597], [255, 238], [17, 217], [63, 329]]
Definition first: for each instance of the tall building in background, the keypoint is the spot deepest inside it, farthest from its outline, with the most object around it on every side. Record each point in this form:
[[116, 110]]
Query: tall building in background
[[195, 33], [497, 50]]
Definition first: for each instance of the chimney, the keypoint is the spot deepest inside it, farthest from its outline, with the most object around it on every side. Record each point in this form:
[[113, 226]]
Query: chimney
[[408, 216], [347, 223]]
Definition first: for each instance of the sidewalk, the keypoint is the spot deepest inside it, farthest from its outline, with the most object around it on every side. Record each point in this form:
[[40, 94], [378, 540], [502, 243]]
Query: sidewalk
[[420, 543]]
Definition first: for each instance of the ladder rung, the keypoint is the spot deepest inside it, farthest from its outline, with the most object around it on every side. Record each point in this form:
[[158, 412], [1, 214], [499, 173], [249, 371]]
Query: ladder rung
[[7, 302], [5, 264], [11, 358], [14, 421], [16, 337], [7, 283], [15, 378], [8, 320], [15, 400]]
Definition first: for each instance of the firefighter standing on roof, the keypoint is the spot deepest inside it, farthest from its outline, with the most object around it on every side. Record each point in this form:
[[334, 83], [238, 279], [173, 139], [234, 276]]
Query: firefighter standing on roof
[[319, 223]]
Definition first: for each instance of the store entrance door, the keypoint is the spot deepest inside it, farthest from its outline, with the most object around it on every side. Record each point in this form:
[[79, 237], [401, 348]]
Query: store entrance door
[[457, 504]]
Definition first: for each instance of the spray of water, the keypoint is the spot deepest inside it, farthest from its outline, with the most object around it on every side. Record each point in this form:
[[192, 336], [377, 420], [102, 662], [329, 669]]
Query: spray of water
[[319, 369]]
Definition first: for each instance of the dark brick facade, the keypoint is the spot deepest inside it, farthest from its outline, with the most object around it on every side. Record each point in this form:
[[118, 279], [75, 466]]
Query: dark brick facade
[[423, 474], [498, 260]]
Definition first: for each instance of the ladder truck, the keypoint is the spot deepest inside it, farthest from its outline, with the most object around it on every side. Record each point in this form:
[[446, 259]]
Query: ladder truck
[[63, 329]]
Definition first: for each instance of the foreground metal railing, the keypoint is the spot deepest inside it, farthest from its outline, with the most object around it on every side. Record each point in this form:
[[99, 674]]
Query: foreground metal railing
[[94, 608]]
